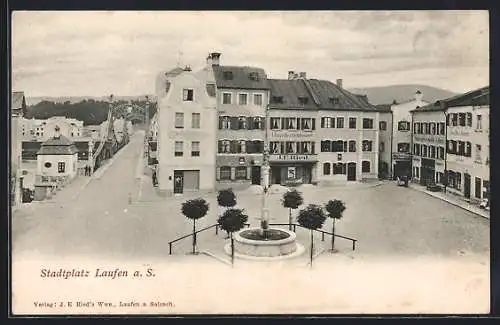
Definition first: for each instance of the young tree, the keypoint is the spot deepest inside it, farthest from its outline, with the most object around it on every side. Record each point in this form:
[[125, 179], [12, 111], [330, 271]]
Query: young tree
[[195, 209], [292, 200], [335, 208], [226, 199], [232, 220], [312, 217]]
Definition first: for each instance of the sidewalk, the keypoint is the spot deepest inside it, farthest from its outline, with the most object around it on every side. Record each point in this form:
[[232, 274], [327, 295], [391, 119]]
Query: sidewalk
[[456, 201]]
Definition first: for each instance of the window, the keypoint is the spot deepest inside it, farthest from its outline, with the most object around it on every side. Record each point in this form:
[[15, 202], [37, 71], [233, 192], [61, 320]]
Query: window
[[224, 146], [326, 146], [334, 100], [242, 122], [352, 146], [454, 119], [306, 123], [187, 95], [226, 98], [228, 75], [225, 173], [211, 90], [253, 76], [403, 147], [179, 120], [61, 167], [326, 169], [441, 128], [352, 122], [327, 122], [258, 123], [468, 149], [290, 147], [243, 99], [461, 119], [195, 148], [367, 145], [365, 166], [274, 147], [275, 123], [195, 120], [479, 124], [340, 122], [179, 148], [461, 148], [433, 128], [303, 100], [224, 122], [338, 146], [241, 146], [478, 153], [403, 126], [424, 151], [367, 123], [338, 168], [290, 123], [240, 172], [48, 164], [257, 99], [441, 153], [382, 125], [382, 147], [469, 119], [277, 99], [432, 151]]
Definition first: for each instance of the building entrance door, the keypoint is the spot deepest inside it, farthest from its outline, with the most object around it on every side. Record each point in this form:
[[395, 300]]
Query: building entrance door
[[256, 177], [178, 182], [477, 188], [351, 171], [467, 186]]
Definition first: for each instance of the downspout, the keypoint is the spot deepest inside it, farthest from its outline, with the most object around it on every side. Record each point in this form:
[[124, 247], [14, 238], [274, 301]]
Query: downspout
[[392, 138]]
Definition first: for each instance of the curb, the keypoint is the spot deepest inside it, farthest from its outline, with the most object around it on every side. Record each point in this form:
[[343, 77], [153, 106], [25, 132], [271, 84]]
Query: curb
[[451, 202]]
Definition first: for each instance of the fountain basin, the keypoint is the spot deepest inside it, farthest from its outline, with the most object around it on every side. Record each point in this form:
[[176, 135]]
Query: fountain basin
[[281, 243]]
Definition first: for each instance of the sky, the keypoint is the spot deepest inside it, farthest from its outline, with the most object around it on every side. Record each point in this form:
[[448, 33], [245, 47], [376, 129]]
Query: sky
[[89, 53]]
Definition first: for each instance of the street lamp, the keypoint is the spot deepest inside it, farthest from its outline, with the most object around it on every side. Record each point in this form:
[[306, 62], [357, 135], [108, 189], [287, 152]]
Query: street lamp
[[265, 177]]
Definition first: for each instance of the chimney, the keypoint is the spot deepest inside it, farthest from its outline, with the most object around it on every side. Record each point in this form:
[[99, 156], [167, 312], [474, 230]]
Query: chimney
[[291, 75], [302, 75], [418, 96], [339, 83], [213, 58]]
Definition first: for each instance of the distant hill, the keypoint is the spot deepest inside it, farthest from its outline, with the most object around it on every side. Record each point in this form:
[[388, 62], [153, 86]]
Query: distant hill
[[401, 93]]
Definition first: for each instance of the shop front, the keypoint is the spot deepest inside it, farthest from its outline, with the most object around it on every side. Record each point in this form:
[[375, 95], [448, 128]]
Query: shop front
[[402, 165], [293, 169], [427, 171]]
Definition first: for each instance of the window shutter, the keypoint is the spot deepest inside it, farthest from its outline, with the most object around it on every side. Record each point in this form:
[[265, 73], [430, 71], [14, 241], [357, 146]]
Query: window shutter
[[299, 123], [220, 145], [233, 146], [249, 123], [345, 146], [322, 122], [234, 123], [283, 125], [263, 123], [313, 126], [249, 147], [220, 122], [313, 149]]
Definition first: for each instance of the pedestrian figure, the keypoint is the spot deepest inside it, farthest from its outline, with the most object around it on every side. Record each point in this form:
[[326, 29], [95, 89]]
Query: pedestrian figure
[[86, 168], [154, 178]]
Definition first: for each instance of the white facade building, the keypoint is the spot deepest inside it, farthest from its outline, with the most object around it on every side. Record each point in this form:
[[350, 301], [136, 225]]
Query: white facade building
[[187, 133]]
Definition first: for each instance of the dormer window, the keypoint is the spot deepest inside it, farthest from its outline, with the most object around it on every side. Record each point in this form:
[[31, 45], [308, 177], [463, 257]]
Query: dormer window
[[167, 87], [334, 100], [253, 76], [303, 100], [277, 99], [228, 75]]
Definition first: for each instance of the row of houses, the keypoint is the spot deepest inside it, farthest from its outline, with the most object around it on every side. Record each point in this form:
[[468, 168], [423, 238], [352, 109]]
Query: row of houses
[[211, 127]]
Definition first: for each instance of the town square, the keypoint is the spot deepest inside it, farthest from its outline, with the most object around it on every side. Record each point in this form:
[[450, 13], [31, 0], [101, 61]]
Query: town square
[[271, 190]]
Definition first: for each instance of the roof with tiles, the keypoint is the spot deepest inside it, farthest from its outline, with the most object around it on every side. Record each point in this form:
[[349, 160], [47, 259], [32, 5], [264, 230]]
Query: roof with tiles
[[332, 97], [240, 77], [290, 94], [477, 97], [58, 146]]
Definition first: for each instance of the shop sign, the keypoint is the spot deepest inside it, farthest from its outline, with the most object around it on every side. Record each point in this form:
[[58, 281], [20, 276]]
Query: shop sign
[[400, 156], [461, 133], [299, 158], [289, 135], [433, 139]]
